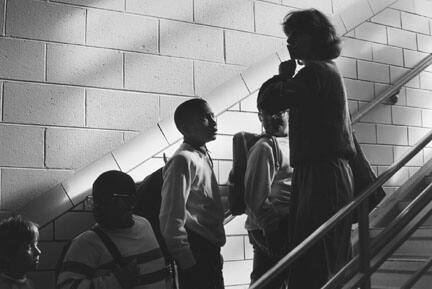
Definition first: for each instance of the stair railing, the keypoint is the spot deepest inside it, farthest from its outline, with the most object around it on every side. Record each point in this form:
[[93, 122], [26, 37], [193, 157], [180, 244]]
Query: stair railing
[[359, 202]]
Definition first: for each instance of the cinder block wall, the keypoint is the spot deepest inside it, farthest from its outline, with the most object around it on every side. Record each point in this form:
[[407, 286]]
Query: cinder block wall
[[80, 77]]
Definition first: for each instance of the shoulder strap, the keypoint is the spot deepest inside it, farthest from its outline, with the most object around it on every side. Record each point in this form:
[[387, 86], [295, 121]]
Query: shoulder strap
[[109, 244], [276, 150]]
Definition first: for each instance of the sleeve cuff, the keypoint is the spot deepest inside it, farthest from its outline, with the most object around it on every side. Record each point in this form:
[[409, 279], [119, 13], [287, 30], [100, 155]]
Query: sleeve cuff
[[186, 260]]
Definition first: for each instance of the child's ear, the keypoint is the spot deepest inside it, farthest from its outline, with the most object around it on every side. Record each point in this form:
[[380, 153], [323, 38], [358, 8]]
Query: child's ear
[[260, 116]]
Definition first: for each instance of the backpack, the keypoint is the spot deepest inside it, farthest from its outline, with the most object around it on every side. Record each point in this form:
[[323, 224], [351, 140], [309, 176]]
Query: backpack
[[242, 142], [148, 204]]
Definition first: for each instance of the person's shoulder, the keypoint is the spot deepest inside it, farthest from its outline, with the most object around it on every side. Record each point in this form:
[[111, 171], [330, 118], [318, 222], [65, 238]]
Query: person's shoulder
[[141, 222], [87, 240], [262, 146]]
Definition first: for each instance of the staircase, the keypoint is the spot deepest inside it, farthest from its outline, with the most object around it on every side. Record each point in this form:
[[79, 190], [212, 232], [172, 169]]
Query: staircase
[[412, 254]]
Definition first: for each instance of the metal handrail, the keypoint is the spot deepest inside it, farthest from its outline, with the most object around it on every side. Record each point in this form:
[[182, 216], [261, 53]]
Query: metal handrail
[[394, 88], [282, 265]]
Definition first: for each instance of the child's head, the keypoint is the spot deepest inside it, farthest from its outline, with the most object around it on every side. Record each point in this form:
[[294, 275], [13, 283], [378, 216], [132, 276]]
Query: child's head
[[311, 36], [113, 199], [195, 120], [19, 252], [274, 121]]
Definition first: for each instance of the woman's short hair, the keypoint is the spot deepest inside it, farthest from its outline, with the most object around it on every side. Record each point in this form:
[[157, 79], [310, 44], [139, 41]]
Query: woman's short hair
[[14, 232], [325, 42]]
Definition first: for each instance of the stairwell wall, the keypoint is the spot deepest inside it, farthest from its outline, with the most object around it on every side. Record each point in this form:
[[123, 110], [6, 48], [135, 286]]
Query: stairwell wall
[[79, 78]]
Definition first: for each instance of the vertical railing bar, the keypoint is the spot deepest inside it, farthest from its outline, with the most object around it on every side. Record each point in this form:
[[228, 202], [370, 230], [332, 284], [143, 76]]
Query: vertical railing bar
[[364, 250]]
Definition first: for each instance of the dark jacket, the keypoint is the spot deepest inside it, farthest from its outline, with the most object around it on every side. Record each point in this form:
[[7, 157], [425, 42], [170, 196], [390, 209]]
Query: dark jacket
[[319, 122]]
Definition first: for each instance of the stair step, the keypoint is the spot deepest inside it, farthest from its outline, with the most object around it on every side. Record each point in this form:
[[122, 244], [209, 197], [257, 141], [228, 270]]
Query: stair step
[[424, 232], [396, 280]]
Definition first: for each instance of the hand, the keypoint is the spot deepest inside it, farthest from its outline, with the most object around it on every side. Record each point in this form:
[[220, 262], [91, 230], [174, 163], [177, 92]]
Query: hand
[[287, 68], [126, 275]]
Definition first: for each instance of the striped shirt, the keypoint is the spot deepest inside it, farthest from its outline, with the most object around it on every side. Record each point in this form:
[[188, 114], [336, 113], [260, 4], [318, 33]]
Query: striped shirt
[[88, 263]]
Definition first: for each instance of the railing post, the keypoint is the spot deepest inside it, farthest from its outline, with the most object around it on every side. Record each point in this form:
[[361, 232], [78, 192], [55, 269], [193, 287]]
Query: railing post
[[364, 248]]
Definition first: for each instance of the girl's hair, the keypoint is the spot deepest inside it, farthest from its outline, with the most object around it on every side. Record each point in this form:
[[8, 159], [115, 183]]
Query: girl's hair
[[14, 232], [325, 42]]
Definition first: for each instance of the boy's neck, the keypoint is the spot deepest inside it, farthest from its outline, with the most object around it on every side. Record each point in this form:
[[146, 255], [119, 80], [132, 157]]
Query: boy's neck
[[194, 143]]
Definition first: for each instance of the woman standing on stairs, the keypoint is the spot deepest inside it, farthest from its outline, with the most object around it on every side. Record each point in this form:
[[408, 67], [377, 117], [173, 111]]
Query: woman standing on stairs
[[321, 143]]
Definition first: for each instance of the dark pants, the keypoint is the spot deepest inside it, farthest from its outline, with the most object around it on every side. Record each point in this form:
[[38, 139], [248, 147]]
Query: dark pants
[[268, 250], [207, 273], [319, 190]]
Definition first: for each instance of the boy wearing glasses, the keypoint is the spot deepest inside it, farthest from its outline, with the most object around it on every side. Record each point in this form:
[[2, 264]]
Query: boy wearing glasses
[[268, 191], [88, 263]]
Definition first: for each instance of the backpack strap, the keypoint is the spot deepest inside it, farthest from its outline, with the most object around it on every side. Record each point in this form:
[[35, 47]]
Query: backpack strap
[[109, 244], [276, 150]]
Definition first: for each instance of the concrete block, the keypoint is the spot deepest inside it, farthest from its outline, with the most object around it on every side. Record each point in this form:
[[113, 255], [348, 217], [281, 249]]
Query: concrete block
[[417, 133], [373, 71], [45, 21], [269, 18], [221, 148], [403, 5], [47, 206], [208, 76], [426, 80], [21, 59], [84, 66], [75, 148], [400, 151], [365, 132], [353, 106], [389, 17], [225, 95], [191, 41], [21, 146], [47, 232], [390, 134], [359, 90], [146, 168], [387, 54], [401, 38], [398, 72], [325, 5], [424, 43], [19, 187], [158, 74], [249, 103], [372, 32], [406, 116], [398, 179], [121, 110], [423, 7], [426, 118], [358, 12], [168, 104], [419, 98], [44, 279], [347, 66], [235, 14], [106, 4], [378, 154], [244, 121], [246, 48], [51, 252], [356, 48], [79, 185], [378, 5], [427, 154], [224, 170], [71, 224], [169, 130], [236, 226], [43, 104], [412, 58], [233, 249], [258, 73], [380, 114], [2, 15], [248, 249], [415, 23], [237, 272], [122, 31], [133, 153], [338, 24], [172, 9]]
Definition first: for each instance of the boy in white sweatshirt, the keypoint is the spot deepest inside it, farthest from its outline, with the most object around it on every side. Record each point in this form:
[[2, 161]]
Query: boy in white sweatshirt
[[191, 215]]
